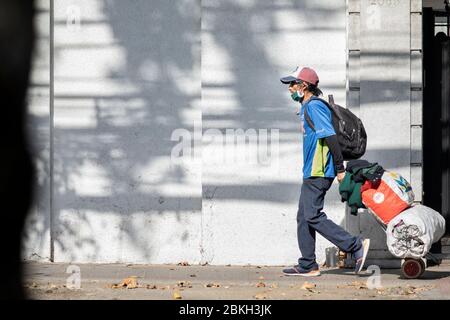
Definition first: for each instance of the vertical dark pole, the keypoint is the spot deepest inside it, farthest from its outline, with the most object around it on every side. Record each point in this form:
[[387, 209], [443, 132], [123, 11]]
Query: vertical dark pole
[[16, 167], [445, 120], [428, 121]]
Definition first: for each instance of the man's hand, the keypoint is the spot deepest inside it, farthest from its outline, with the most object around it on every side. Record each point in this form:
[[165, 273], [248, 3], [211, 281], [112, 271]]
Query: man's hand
[[340, 176]]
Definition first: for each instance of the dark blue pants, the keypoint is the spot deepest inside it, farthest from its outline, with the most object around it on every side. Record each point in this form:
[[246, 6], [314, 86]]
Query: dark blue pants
[[311, 219]]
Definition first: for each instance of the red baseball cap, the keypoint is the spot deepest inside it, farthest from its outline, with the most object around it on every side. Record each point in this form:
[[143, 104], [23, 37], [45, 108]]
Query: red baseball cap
[[305, 74]]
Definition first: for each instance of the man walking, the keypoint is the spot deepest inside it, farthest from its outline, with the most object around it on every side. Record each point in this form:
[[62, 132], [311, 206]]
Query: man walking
[[322, 162]]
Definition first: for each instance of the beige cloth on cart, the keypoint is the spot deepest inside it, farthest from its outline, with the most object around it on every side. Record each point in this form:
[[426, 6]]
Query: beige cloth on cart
[[411, 233]]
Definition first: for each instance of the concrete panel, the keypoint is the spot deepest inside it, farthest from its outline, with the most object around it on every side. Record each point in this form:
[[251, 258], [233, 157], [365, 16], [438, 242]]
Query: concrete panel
[[353, 30], [353, 101], [416, 6], [416, 182], [354, 6], [249, 210], [103, 236], [354, 66], [127, 86], [416, 144], [352, 222], [416, 107], [370, 228], [416, 70], [416, 31]]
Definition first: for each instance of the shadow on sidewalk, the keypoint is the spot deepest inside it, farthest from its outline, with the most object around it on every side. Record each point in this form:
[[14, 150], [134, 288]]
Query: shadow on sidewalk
[[428, 274]]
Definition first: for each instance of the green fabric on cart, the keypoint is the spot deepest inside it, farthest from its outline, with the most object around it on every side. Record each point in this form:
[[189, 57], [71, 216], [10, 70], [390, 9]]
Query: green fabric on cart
[[350, 191]]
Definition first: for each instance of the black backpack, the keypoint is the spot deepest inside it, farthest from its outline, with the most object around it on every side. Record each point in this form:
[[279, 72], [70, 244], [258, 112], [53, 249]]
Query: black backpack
[[349, 129]]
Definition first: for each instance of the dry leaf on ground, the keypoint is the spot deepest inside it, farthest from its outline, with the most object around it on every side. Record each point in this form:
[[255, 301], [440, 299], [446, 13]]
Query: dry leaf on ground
[[308, 286], [354, 285], [260, 285], [411, 290], [177, 296], [184, 264], [424, 288], [164, 288], [212, 285], [260, 296], [184, 284], [408, 291], [129, 283]]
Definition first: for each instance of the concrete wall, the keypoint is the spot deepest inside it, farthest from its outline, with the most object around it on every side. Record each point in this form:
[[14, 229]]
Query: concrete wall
[[134, 79], [249, 209], [125, 78]]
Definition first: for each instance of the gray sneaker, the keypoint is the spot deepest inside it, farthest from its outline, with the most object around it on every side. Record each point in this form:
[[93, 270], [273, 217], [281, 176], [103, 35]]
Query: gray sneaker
[[299, 271], [361, 255]]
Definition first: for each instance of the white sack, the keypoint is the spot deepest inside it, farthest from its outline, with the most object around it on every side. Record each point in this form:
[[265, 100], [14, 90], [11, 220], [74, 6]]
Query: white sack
[[411, 233]]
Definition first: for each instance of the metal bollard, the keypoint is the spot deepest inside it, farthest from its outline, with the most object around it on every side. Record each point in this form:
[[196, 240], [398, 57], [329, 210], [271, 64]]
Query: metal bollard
[[331, 255]]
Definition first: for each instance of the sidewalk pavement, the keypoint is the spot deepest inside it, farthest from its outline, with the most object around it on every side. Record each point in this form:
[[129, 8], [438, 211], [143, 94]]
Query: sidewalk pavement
[[50, 281]]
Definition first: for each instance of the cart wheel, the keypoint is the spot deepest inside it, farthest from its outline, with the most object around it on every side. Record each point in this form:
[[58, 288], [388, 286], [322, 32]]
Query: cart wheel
[[424, 265], [423, 271], [413, 268]]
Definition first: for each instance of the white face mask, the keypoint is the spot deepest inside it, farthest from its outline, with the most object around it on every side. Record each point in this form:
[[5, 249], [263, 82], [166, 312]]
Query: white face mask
[[298, 95], [301, 95]]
